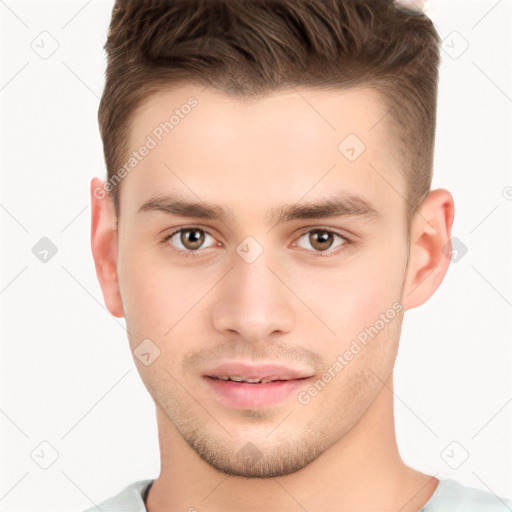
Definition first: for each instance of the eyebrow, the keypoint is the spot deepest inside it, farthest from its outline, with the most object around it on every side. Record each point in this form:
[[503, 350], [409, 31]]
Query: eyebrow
[[338, 205]]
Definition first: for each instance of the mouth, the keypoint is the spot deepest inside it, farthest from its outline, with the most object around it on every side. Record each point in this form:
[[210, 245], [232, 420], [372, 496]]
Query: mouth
[[244, 371], [236, 393], [256, 380], [245, 385]]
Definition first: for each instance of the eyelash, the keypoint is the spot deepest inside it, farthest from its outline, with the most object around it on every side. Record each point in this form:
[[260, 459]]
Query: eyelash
[[197, 252]]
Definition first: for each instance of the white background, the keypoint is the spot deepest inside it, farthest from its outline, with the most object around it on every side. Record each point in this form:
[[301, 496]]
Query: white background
[[67, 376]]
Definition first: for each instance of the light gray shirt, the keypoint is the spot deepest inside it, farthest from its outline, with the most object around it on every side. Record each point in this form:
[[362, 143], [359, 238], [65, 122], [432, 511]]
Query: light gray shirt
[[449, 496]]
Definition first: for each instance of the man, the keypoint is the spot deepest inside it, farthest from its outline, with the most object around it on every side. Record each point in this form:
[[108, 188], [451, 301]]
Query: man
[[294, 139]]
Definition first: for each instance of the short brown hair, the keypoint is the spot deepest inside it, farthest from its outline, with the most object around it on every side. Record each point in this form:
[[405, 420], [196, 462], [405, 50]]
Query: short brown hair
[[250, 48]]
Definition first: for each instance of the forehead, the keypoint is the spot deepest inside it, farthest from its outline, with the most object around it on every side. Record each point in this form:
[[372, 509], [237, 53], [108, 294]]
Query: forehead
[[296, 112], [293, 144]]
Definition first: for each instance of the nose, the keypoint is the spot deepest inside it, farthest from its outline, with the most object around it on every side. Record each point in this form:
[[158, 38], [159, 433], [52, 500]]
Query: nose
[[254, 301]]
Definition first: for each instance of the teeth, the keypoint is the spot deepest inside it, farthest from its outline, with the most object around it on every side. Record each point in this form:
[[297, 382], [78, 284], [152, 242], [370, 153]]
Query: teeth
[[242, 379]]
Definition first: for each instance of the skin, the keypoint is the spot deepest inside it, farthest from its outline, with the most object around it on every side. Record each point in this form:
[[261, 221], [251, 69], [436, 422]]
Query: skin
[[338, 451]]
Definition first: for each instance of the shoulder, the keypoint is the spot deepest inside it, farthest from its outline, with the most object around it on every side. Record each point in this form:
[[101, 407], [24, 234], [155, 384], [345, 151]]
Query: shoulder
[[451, 496], [128, 500]]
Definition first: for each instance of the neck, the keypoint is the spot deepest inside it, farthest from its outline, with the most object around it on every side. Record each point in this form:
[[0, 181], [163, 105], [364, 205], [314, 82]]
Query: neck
[[361, 471]]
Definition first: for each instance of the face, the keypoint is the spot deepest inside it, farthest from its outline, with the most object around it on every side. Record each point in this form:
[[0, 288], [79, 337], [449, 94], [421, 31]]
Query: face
[[268, 283]]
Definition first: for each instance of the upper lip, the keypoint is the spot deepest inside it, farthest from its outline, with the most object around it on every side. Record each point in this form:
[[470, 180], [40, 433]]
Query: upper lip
[[257, 371]]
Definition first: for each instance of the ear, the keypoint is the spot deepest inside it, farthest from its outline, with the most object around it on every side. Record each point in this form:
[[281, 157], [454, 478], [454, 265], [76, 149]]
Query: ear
[[430, 248], [104, 245]]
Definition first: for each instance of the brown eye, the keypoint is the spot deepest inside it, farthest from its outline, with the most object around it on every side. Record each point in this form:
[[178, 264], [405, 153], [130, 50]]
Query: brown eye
[[322, 240], [192, 238], [188, 239]]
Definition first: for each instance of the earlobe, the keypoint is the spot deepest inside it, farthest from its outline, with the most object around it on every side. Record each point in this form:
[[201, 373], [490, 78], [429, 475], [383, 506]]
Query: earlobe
[[104, 246], [430, 248]]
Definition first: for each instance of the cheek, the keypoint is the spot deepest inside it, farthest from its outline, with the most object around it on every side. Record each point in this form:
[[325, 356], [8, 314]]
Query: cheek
[[353, 295], [160, 298], [153, 299], [376, 286], [147, 291]]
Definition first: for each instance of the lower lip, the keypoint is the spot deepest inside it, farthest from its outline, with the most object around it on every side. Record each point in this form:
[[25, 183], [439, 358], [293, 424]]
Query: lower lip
[[246, 395]]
